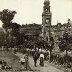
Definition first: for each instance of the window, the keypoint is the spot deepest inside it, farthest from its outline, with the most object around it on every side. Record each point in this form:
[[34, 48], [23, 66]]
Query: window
[[46, 9]]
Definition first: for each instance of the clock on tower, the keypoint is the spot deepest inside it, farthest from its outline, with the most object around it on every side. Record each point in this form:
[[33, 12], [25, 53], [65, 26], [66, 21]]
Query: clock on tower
[[47, 21]]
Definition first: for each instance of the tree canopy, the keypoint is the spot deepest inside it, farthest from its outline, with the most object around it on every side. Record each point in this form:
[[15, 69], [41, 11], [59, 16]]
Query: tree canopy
[[6, 16], [12, 28], [65, 43]]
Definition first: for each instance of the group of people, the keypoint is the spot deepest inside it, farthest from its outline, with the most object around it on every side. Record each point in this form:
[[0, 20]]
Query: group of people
[[37, 56]]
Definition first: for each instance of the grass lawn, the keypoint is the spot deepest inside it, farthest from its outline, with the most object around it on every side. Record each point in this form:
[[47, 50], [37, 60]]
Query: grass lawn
[[10, 58]]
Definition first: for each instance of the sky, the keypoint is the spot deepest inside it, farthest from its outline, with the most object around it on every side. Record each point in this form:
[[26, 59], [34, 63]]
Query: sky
[[30, 11]]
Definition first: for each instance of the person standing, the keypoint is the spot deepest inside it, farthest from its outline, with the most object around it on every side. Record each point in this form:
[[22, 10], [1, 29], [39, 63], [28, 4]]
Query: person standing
[[41, 59], [26, 61], [35, 57], [71, 66]]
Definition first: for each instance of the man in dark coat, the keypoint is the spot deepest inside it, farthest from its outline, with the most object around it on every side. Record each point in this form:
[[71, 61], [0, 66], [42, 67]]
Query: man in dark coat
[[35, 57]]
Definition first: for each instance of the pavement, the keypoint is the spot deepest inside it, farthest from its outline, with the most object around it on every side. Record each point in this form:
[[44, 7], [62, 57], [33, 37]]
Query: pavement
[[14, 60], [47, 67], [20, 55], [10, 59]]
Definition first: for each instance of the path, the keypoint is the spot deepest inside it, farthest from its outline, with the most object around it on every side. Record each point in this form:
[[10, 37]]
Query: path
[[47, 67]]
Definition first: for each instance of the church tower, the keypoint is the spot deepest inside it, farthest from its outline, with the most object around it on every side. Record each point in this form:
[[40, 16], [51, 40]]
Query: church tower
[[46, 20]]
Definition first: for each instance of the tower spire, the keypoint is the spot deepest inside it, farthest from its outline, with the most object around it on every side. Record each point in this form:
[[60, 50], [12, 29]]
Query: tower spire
[[47, 2], [46, 19]]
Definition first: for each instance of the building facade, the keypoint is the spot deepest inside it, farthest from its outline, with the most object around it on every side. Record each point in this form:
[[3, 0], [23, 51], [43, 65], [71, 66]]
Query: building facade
[[31, 31], [46, 29], [55, 31]]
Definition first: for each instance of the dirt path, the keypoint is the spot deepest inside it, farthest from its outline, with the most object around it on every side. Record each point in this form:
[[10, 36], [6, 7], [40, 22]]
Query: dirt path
[[46, 68]]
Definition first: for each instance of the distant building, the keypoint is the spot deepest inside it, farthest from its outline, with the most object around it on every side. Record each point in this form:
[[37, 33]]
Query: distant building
[[31, 30], [46, 29], [55, 31]]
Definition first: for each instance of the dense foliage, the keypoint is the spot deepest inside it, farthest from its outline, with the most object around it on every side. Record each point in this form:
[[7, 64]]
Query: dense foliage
[[11, 28], [66, 42], [6, 16]]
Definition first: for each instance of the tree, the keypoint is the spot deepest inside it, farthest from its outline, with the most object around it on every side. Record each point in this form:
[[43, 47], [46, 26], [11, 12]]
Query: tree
[[15, 29], [65, 44], [6, 16], [2, 38], [41, 44], [15, 32]]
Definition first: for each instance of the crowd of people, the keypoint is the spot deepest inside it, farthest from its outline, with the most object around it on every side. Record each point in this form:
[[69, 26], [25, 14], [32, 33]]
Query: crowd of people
[[54, 58]]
